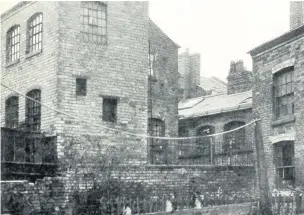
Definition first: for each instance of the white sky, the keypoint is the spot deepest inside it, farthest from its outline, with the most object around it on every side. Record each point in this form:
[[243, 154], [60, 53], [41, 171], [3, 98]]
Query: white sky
[[221, 30]]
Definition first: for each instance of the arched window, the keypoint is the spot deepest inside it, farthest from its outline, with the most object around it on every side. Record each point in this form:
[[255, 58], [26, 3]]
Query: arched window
[[11, 112], [34, 28], [234, 140], [94, 22], [204, 143], [13, 44], [33, 110], [157, 146]]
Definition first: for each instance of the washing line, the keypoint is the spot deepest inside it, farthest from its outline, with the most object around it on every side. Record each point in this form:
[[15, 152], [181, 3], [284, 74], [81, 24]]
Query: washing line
[[126, 132]]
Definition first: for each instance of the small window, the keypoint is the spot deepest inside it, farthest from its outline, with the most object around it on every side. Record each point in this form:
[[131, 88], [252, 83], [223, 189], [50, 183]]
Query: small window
[[94, 22], [81, 86], [13, 44], [204, 143], [152, 61], [11, 112], [284, 93], [109, 110], [235, 140], [33, 110], [284, 163], [34, 42]]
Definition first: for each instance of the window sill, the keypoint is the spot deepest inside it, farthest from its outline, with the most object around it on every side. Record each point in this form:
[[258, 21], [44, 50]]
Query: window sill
[[12, 63], [32, 54], [283, 120]]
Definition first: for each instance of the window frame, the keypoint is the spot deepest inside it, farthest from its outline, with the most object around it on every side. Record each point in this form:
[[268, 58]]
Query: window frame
[[12, 122], [283, 99], [87, 29], [204, 144], [236, 140], [158, 147], [11, 44], [284, 164], [81, 88], [33, 110], [32, 32], [113, 102]]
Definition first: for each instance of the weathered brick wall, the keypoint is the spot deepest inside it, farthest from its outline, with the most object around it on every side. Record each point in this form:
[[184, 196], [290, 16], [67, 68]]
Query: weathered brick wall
[[32, 72], [296, 14], [165, 86], [239, 79], [118, 69], [263, 63], [180, 181]]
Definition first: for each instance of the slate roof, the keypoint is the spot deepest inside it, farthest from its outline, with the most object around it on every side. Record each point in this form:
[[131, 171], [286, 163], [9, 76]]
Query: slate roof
[[216, 85], [214, 104]]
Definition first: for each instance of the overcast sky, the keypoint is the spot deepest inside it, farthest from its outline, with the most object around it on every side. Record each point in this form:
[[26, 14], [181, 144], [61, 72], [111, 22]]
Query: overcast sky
[[219, 30]]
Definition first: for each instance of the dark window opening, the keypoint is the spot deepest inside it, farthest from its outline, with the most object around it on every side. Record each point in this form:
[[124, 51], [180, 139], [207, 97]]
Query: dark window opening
[[13, 44], [33, 110], [12, 112], [204, 143], [81, 86], [158, 152], [284, 156], [109, 110], [284, 92], [234, 140], [34, 42]]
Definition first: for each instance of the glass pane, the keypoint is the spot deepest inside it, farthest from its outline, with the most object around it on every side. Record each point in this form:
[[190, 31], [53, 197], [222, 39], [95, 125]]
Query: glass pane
[[103, 15], [103, 31], [103, 23], [283, 90]]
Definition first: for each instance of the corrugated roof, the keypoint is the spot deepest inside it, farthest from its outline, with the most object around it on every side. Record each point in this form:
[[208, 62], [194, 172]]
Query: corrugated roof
[[209, 105], [214, 84]]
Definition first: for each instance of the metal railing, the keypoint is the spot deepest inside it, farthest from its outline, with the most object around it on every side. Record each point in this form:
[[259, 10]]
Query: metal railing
[[201, 152]]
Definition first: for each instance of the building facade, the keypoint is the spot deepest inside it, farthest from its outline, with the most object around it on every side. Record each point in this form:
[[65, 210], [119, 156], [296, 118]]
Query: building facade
[[278, 99], [88, 60]]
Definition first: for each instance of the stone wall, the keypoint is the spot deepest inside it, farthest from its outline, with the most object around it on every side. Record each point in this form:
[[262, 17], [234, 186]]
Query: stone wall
[[290, 127], [296, 14]]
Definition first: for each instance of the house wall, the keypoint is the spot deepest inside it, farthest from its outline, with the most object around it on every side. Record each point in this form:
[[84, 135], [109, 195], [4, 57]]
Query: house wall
[[32, 72], [285, 54], [296, 14]]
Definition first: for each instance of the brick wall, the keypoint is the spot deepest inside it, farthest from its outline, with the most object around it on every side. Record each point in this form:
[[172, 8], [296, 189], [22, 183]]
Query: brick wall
[[289, 53], [32, 72], [296, 14], [180, 181], [165, 85]]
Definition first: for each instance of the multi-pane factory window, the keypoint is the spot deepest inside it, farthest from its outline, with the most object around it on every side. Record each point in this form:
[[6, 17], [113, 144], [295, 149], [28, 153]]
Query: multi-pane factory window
[[34, 42], [13, 44], [284, 93], [33, 110], [234, 140], [81, 86], [11, 112], [94, 22]]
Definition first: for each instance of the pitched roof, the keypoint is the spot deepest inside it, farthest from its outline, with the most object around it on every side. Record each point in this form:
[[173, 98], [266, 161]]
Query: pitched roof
[[209, 105], [216, 85]]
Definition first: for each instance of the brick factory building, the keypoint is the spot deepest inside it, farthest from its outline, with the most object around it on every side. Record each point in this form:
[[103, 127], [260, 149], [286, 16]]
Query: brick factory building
[[90, 60]]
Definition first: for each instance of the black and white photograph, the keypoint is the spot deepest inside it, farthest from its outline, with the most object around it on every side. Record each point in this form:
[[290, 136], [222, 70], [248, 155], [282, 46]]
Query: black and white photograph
[[152, 107]]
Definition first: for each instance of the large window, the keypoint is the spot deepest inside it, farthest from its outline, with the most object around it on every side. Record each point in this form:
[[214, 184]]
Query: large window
[[13, 44], [11, 112], [109, 109], [94, 22], [158, 151], [34, 42], [234, 140], [33, 110], [283, 92], [284, 156]]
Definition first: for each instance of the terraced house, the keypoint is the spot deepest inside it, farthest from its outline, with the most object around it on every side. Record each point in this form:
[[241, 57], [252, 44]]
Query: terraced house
[[105, 62], [278, 99]]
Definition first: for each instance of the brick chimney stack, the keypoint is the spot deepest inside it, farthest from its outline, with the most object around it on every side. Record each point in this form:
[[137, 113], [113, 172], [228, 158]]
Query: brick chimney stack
[[239, 79], [296, 14]]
